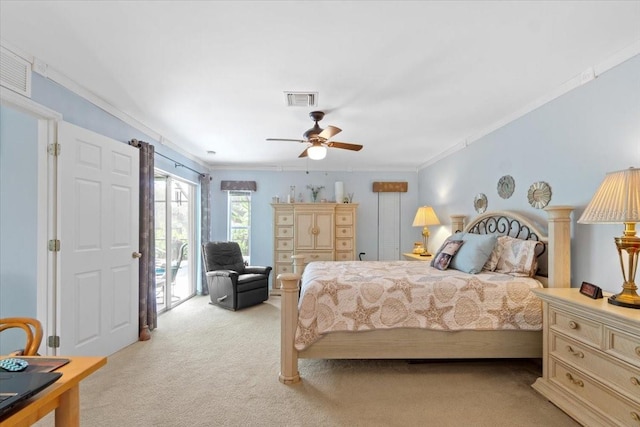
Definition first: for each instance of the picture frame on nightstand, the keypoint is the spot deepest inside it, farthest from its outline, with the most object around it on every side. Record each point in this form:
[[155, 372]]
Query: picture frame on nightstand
[[591, 290]]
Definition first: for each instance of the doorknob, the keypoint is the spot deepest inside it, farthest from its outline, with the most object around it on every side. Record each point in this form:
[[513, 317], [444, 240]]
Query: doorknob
[[136, 255]]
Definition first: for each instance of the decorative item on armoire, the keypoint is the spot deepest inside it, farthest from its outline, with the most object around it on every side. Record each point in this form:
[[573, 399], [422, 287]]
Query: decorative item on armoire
[[539, 194], [315, 191], [339, 189], [291, 198]]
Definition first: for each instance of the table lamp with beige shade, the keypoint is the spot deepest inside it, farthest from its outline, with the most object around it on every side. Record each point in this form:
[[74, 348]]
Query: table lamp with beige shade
[[617, 201], [425, 216]]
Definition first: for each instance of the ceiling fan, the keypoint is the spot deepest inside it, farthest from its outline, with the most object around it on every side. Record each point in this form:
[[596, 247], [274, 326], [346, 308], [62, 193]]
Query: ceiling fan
[[318, 139]]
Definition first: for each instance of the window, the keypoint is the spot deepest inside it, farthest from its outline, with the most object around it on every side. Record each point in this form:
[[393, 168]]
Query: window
[[239, 220]]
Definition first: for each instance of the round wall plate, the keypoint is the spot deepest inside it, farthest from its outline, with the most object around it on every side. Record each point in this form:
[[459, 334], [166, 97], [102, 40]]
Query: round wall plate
[[506, 185], [539, 194], [480, 202]]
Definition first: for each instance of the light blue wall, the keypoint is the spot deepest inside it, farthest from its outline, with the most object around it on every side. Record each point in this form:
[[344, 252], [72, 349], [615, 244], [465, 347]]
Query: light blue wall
[[277, 184], [571, 143], [18, 216], [81, 112]]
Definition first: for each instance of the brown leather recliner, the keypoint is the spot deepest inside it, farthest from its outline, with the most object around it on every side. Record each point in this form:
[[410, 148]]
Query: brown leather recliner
[[232, 284]]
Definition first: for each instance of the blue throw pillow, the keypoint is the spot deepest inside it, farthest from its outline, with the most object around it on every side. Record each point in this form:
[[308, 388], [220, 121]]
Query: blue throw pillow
[[475, 252]]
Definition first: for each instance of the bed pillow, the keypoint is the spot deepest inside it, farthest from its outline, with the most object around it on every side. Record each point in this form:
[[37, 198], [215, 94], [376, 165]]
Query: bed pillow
[[518, 257], [492, 262], [477, 249], [446, 252]]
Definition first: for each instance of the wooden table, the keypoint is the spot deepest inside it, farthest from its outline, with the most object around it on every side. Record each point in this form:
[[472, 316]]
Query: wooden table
[[416, 257], [63, 395]]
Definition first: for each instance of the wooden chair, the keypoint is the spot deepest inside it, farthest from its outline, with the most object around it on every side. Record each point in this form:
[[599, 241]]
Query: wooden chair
[[32, 329]]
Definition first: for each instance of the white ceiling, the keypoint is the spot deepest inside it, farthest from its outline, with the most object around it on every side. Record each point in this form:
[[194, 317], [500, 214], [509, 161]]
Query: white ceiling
[[408, 80]]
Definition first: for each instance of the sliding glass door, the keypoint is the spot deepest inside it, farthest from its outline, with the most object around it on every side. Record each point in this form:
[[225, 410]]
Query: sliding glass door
[[175, 207]]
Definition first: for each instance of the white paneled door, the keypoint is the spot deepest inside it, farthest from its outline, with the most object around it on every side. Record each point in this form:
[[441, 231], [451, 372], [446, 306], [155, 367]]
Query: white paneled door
[[97, 290], [388, 226]]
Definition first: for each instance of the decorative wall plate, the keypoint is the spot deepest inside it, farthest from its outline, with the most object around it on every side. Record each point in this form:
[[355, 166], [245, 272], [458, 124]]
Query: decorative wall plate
[[539, 194], [506, 185], [480, 203]]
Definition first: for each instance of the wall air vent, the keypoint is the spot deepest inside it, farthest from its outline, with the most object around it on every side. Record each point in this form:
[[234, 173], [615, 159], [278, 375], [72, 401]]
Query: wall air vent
[[301, 99], [15, 73]]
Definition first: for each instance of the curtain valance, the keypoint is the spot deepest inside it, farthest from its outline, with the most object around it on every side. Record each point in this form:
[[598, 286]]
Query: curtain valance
[[238, 186]]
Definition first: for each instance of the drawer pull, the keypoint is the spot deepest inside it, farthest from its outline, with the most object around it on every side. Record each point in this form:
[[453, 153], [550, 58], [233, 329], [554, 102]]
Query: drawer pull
[[579, 383], [635, 381], [573, 325], [574, 352]]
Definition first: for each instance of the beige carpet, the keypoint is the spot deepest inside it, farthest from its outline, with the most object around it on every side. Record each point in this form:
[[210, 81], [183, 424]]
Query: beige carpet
[[206, 366]]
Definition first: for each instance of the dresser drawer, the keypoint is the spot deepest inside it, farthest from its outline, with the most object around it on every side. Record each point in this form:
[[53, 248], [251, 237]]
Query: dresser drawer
[[344, 244], [316, 256], [284, 256], [344, 232], [284, 232], [615, 374], [344, 256], [284, 218], [283, 268], [344, 218], [622, 410], [284, 244], [576, 327], [623, 345]]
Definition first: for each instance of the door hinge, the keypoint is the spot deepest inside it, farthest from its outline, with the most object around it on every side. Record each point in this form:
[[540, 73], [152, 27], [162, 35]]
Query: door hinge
[[54, 245], [53, 341], [54, 149]]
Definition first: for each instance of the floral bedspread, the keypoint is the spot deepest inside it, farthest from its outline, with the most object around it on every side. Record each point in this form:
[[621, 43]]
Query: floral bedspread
[[363, 295]]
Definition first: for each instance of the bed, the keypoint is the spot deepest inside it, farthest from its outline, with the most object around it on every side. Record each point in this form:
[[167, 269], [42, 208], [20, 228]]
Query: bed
[[423, 337]]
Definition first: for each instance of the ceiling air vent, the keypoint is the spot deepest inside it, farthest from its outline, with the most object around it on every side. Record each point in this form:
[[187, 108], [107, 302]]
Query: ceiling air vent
[[15, 73], [301, 99]]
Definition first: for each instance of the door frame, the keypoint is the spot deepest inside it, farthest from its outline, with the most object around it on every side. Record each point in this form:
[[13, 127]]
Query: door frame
[[46, 225]]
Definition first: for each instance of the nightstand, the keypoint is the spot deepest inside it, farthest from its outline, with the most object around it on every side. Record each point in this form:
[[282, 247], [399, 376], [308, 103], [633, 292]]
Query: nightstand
[[591, 358], [415, 257]]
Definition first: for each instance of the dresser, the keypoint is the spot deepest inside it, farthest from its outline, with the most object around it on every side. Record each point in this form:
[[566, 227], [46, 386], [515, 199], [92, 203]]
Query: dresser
[[591, 358], [317, 231]]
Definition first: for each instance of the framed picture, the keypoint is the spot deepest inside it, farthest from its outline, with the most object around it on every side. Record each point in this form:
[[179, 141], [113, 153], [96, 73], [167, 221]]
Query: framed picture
[[590, 290]]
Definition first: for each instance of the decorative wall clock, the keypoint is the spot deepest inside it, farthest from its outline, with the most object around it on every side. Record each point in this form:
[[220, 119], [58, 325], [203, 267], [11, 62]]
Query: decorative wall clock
[[506, 185], [480, 202], [539, 194]]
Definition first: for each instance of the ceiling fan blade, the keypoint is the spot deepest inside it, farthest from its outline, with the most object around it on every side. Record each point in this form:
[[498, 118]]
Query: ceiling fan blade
[[344, 145], [303, 154], [329, 132], [284, 139]]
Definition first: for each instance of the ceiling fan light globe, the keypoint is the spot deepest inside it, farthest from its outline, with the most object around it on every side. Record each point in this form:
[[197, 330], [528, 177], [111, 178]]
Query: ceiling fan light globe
[[317, 152]]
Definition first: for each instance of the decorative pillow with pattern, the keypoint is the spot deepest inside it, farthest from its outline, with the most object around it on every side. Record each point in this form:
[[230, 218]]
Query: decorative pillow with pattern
[[492, 262], [446, 253], [518, 257]]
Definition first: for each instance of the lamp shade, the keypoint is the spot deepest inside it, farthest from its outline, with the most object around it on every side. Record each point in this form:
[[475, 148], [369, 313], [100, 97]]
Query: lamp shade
[[616, 201], [425, 216], [317, 152]]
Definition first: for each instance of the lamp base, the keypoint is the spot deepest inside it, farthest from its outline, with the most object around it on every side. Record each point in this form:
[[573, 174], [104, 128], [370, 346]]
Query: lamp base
[[619, 300]]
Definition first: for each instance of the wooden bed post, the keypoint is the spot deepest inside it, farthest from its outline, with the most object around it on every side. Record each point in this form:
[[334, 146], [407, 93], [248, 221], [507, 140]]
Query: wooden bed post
[[288, 321], [298, 264], [457, 223], [559, 246]]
